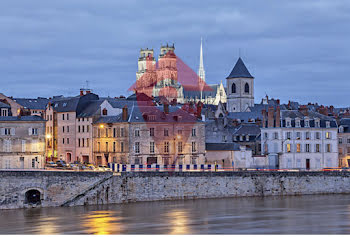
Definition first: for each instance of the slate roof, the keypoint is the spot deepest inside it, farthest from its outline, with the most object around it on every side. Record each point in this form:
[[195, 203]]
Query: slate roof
[[210, 92], [110, 119], [247, 129], [345, 123], [33, 118], [293, 114], [4, 105], [91, 109], [222, 146], [38, 103], [245, 116], [240, 70]]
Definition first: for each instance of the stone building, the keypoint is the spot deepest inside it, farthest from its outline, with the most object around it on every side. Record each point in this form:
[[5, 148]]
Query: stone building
[[22, 142], [150, 135], [344, 142], [299, 139]]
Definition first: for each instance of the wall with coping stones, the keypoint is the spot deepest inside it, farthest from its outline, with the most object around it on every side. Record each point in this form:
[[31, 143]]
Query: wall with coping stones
[[84, 188]]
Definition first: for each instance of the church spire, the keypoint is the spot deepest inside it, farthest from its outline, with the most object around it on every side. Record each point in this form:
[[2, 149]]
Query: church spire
[[201, 72]]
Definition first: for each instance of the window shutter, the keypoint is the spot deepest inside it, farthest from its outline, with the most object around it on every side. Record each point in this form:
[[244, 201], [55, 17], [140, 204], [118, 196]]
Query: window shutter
[[13, 131], [30, 131]]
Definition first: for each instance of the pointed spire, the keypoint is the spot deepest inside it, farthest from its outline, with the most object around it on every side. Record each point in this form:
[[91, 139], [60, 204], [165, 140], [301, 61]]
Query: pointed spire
[[240, 70], [201, 71]]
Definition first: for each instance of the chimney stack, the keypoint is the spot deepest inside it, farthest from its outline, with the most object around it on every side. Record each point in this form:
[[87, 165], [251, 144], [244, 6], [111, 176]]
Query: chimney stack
[[270, 121], [199, 110], [166, 108], [88, 92], [264, 118], [125, 113], [304, 110], [278, 117], [278, 101], [81, 92]]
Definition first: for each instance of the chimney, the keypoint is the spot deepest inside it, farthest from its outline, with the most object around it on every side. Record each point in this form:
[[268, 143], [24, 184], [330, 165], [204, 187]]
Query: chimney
[[125, 113], [199, 110], [278, 101], [166, 108], [88, 92], [270, 117], [81, 92], [278, 117], [264, 118], [304, 110]]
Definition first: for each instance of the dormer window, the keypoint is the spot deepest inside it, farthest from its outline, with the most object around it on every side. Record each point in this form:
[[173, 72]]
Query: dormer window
[[288, 122], [64, 104], [328, 124], [307, 123], [317, 123], [297, 123], [104, 112], [341, 129]]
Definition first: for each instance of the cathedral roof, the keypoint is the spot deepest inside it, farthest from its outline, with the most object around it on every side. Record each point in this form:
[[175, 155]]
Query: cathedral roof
[[239, 70]]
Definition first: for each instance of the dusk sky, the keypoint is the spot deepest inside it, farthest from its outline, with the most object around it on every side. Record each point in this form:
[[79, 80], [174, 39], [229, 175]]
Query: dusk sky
[[296, 50]]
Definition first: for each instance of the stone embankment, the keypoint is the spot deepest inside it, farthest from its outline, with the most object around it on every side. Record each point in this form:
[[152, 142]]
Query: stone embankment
[[20, 189]]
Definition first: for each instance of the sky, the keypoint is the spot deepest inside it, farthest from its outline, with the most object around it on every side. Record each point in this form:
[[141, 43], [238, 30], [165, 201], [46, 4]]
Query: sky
[[296, 50]]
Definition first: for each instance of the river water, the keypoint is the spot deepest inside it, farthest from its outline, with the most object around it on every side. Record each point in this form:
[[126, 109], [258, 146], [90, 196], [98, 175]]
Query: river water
[[313, 214]]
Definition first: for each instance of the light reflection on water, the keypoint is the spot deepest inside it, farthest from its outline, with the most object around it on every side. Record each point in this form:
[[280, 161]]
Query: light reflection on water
[[322, 214]]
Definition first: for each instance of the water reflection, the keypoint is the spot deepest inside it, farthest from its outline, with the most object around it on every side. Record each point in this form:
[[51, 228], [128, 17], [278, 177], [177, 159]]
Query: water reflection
[[178, 221], [101, 223], [324, 214]]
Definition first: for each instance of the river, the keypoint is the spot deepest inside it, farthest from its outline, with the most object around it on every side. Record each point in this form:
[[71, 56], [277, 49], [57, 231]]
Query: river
[[310, 214]]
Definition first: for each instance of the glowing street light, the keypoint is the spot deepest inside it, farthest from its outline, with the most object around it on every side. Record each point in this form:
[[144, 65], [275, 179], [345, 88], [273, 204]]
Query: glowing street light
[[48, 136], [101, 126]]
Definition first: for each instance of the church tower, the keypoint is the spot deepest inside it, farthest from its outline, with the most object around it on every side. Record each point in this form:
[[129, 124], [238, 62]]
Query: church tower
[[240, 88]]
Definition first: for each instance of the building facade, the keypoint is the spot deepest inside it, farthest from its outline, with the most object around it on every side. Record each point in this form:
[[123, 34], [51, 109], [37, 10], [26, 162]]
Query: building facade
[[299, 139], [22, 142]]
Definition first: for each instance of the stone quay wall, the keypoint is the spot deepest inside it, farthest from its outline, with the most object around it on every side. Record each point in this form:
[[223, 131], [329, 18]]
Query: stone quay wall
[[59, 188]]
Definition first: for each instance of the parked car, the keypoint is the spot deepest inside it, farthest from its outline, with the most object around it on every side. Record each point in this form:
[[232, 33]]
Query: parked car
[[51, 164], [61, 163]]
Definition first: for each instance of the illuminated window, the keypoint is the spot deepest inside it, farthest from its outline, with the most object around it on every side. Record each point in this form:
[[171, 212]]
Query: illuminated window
[[328, 148], [288, 148], [298, 148], [328, 135], [166, 147]]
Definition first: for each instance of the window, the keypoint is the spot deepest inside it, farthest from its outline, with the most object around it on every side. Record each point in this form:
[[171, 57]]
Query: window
[[275, 135], [67, 116], [307, 147], [83, 127], [317, 124], [137, 133], [328, 148], [266, 135], [7, 131], [98, 146], [179, 147], [67, 128], [114, 132], [340, 140], [328, 135], [307, 124], [288, 148], [233, 88], [122, 132], [34, 131], [297, 123], [79, 128], [151, 132], [104, 112], [179, 132], [67, 140], [194, 148], [83, 141], [137, 147], [307, 135], [348, 140], [298, 136], [106, 146], [87, 128], [318, 148], [23, 145], [63, 129], [166, 147], [151, 147], [348, 150], [166, 132], [318, 136], [288, 123], [114, 146], [298, 147], [121, 146], [62, 116], [78, 142], [340, 151], [106, 132], [288, 135], [193, 132], [246, 88], [87, 142], [328, 124], [62, 140]]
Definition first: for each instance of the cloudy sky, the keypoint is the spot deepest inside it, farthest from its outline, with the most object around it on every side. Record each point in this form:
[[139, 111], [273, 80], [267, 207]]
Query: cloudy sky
[[297, 50]]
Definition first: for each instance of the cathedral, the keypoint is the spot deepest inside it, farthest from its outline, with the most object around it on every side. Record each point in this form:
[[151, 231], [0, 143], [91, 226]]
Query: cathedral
[[162, 78]]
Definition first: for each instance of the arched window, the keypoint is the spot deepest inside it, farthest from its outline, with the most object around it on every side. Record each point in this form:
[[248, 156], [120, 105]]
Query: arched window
[[104, 111], [246, 88], [233, 88]]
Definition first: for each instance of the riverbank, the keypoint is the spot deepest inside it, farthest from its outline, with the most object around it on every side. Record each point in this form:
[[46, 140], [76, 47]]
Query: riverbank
[[20, 189]]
